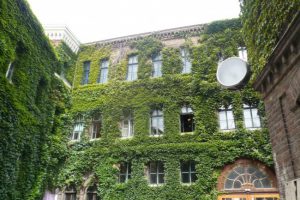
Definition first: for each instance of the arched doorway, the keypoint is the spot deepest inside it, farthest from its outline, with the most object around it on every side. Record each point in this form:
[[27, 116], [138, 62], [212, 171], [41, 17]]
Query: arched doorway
[[247, 180]]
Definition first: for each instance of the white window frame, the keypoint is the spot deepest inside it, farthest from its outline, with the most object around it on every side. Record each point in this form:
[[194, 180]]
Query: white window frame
[[71, 191], [10, 71], [227, 111], [157, 173], [78, 128], [127, 173], [127, 132], [93, 192], [186, 62], [253, 116], [103, 77], [156, 115], [157, 65], [190, 172], [93, 132], [86, 72], [132, 68]]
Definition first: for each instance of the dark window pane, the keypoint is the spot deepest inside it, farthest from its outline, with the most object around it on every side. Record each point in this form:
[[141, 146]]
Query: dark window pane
[[233, 175], [228, 184], [187, 122], [160, 167], [153, 167], [237, 184], [122, 178], [153, 178], [161, 178], [193, 166], [185, 178], [185, 166], [193, 177]]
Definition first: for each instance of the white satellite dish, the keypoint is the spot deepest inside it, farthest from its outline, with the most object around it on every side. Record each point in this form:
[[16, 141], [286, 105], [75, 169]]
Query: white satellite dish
[[233, 72]]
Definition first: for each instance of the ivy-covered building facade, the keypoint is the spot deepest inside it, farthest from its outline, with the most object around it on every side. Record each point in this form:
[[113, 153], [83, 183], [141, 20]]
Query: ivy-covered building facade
[[150, 121]]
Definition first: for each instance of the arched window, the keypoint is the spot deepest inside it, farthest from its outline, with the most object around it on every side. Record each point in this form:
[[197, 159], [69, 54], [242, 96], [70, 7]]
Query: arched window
[[91, 193], [247, 176], [247, 180], [70, 193]]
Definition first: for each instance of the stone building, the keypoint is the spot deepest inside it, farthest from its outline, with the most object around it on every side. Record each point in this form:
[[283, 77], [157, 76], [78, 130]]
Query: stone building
[[151, 122], [58, 34], [279, 82]]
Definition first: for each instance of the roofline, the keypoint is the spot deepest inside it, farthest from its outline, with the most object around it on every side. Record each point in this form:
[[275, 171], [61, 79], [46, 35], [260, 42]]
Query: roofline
[[160, 34], [64, 27]]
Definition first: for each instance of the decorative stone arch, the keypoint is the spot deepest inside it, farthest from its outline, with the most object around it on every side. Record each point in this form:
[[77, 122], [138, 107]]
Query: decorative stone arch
[[247, 177]]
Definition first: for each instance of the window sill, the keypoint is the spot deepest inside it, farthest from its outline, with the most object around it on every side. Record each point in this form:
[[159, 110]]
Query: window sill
[[253, 128], [156, 185], [227, 130], [187, 133], [187, 184], [95, 139], [156, 136], [126, 138]]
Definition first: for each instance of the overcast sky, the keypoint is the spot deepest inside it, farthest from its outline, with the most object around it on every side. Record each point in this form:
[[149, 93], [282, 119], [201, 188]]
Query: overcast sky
[[93, 20]]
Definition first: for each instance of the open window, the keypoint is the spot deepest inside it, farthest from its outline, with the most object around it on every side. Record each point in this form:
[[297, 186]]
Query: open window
[[187, 119]]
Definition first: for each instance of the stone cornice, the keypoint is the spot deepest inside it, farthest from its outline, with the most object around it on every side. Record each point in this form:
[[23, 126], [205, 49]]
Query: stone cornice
[[284, 56], [167, 34]]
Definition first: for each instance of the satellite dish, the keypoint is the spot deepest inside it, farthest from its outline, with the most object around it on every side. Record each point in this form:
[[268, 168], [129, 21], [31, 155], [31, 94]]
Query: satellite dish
[[233, 73]]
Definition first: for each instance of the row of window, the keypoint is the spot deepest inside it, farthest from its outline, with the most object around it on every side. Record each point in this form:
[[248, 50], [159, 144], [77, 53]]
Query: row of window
[[156, 172], [187, 122], [155, 175], [132, 67]]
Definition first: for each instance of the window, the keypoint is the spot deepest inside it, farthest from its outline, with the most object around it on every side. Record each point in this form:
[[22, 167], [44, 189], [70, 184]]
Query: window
[[187, 119], [251, 118], [156, 173], [86, 72], [132, 68], [70, 193], [156, 60], [91, 193], [95, 129], [78, 128], [226, 118], [249, 176], [188, 171], [187, 65], [103, 75], [127, 126], [10, 71], [157, 123], [125, 172]]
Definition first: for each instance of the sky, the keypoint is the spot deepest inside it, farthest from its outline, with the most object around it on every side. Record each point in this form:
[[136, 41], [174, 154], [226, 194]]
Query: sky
[[94, 20]]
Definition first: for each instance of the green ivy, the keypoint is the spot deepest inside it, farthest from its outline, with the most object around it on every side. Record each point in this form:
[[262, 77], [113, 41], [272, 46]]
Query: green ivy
[[32, 107], [263, 24], [209, 147]]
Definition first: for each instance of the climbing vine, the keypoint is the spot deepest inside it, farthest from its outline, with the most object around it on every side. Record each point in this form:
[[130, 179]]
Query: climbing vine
[[263, 24], [211, 148]]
